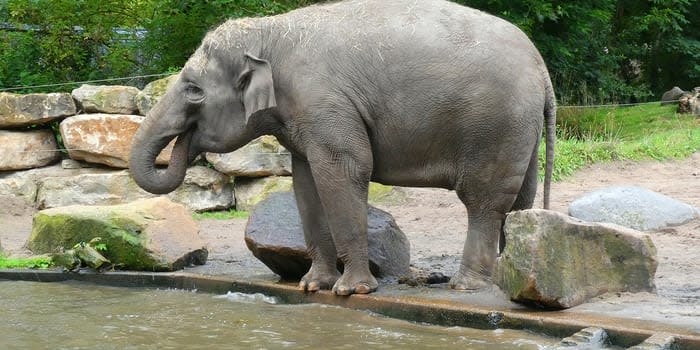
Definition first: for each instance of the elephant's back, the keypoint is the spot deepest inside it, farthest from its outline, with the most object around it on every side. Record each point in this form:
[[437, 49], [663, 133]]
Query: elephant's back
[[402, 27]]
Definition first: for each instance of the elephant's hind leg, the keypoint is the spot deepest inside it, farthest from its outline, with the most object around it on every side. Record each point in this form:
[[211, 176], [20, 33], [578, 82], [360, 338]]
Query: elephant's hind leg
[[486, 209], [323, 273]]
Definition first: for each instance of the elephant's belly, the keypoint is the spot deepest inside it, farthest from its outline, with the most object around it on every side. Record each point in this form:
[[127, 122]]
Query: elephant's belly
[[402, 171]]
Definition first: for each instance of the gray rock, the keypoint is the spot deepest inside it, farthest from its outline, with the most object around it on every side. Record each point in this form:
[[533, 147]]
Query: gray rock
[[587, 338], [25, 184], [104, 138], [106, 99], [203, 189], [658, 341], [152, 92], [250, 191], [261, 157], [672, 96], [275, 236], [556, 261], [71, 164], [633, 207], [27, 149], [34, 109], [148, 235], [690, 102]]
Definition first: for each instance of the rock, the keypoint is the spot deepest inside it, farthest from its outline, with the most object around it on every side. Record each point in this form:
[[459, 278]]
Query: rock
[[690, 102], [152, 92], [146, 235], [70, 164], [262, 157], [34, 109], [203, 189], [672, 96], [556, 261], [249, 192], [587, 338], [25, 184], [106, 98], [658, 341], [275, 237], [633, 207], [104, 138], [27, 149]]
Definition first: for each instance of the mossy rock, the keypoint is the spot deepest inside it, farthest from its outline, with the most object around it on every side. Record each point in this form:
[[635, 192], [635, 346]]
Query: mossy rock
[[147, 235], [556, 261]]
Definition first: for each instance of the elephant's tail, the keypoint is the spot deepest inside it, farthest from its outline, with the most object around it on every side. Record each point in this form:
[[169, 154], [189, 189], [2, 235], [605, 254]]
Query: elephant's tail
[[550, 120]]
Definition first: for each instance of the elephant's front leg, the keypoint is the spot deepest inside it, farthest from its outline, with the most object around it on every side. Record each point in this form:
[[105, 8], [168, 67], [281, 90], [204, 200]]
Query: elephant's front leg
[[341, 173], [323, 273]]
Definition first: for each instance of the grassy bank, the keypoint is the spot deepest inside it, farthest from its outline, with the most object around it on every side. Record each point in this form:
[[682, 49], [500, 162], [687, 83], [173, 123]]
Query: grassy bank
[[590, 135]]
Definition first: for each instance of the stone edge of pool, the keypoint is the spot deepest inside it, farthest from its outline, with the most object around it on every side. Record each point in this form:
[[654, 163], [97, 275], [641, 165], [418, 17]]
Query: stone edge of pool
[[621, 332]]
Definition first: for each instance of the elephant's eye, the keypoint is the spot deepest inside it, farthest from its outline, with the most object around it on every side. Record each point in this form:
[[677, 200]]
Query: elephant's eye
[[194, 93]]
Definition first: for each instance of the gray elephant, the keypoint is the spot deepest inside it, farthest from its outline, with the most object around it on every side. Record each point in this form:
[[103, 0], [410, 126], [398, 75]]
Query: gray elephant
[[409, 93]]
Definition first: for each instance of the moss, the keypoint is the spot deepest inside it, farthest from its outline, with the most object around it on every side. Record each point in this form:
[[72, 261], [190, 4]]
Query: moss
[[122, 237]]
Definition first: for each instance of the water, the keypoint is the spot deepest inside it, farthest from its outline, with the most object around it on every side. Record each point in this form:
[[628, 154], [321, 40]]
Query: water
[[85, 316]]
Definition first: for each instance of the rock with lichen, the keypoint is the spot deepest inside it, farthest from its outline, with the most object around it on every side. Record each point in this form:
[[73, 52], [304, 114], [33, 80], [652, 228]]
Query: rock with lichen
[[146, 235], [553, 260]]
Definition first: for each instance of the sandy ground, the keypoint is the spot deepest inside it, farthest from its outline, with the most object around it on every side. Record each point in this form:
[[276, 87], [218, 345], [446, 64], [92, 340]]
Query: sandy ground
[[435, 222]]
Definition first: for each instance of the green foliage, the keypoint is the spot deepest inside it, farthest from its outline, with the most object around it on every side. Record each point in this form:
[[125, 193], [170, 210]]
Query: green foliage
[[596, 50], [221, 215], [589, 135], [38, 262], [610, 50]]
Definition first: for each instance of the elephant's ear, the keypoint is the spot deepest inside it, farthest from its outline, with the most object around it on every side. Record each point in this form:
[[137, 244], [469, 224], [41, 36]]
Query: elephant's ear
[[259, 89]]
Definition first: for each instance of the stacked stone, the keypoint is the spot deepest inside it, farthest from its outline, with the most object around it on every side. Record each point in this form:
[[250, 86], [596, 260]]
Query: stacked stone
[[97, 125]]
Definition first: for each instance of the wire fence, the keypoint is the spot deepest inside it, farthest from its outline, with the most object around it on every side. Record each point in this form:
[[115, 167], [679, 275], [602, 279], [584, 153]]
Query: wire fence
[[26, 87]]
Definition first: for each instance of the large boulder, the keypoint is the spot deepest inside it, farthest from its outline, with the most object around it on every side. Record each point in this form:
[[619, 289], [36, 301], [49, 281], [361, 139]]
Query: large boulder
[[553, 260], [106, 98], [690, 102], [633, 207], [34, 109], [152, 92], [27, 149], [203, 189], [274, 235], [147, 235], [672, 95], [262, 157], [104, 138]]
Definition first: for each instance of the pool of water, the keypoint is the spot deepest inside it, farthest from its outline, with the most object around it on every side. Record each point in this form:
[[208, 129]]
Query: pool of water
[[76, 315]]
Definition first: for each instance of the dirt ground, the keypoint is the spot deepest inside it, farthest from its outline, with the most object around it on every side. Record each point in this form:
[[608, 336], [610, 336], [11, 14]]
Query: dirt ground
[[435, 222]]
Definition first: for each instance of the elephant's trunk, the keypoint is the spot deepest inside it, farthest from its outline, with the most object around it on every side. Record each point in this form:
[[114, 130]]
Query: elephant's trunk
[[144, 152]]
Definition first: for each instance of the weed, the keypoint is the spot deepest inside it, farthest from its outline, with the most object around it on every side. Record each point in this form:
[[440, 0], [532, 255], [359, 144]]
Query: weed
[[38, 262], [221, 215]]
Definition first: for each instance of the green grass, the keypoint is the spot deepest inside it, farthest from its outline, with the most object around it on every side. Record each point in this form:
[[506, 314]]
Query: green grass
[[221, 215], [40, 262], [591, 135]]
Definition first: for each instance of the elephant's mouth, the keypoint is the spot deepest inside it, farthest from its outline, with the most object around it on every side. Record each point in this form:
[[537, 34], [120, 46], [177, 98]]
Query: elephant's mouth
[[144, 153]]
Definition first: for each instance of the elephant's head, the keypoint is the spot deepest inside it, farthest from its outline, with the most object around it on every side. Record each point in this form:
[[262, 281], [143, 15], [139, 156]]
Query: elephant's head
[[207, 108]]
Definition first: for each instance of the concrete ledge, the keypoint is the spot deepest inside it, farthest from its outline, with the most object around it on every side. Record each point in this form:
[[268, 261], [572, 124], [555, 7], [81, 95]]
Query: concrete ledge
[[418, 305]]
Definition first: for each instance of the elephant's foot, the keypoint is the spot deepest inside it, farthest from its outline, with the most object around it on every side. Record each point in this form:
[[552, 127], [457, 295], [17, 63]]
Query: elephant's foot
[[470, 282], [355, 283], [315, 280]]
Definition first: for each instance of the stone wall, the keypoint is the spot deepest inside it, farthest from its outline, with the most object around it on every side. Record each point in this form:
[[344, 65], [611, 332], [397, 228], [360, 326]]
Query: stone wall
[[96, 125]]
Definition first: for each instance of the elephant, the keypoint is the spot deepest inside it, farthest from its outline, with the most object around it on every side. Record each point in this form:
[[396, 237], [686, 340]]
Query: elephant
[[407, 93]]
